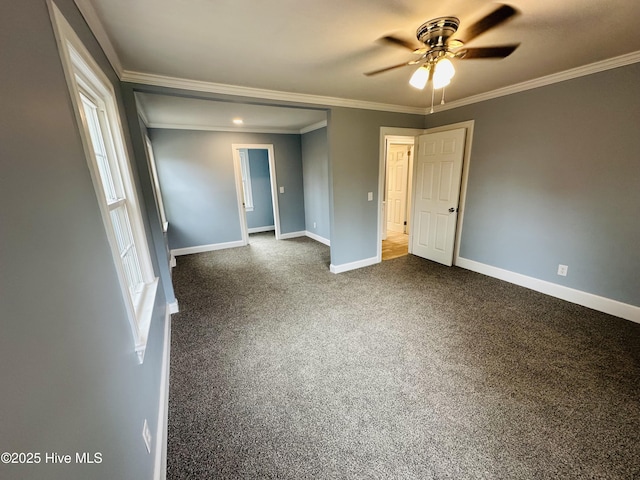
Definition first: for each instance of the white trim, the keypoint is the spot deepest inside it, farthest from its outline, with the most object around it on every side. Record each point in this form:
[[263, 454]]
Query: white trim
[[172, 260], [400, 139], [268, 228], [345, 267], [174, 307], [602, 304], [176, 252], [582, 71], [95, 25], [85, 77], [242, 212], [245, 178], [315, 126], [385, 134], [160, 469], [210, 87], [317, 238], [285, 236], [144, 316], [273, 181], [195, 85], [173, 82]]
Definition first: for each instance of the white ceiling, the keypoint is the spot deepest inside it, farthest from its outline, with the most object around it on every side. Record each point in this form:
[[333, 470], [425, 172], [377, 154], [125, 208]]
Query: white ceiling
[[321, 48], [163, 111]]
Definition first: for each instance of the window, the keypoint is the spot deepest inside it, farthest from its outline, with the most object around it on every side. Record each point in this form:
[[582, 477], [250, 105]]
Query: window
[[246, 179], [99, 121]]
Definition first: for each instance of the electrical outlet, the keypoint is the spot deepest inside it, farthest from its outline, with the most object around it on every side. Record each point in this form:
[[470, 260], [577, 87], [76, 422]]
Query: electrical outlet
[[281, 189], [370, 196], [314, 224], [563, 270], [146, 435]]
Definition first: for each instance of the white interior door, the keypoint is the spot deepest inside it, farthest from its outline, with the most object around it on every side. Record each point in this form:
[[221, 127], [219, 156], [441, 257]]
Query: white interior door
[[437, 191], [397, 175], [239, 150]]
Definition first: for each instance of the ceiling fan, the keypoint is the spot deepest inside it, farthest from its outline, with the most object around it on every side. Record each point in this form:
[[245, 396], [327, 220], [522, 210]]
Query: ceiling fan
[[438, 47]]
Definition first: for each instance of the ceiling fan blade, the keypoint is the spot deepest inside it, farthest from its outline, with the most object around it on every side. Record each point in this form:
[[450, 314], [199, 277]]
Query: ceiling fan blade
[[386, 69], [487, 52], [401, 42], [495, 18]]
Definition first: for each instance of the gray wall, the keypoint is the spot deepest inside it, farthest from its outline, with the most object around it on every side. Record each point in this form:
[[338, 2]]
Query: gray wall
[[198, 184], [262, 214], [315, 167], [160, 239], [71, 381], [354, 153], [555, 178]]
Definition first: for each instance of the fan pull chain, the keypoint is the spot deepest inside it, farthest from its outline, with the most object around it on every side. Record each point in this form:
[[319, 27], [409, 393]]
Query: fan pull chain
[[433, 93]]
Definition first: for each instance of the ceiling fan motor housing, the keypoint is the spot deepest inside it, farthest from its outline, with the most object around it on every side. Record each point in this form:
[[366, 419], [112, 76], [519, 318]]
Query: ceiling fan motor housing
[[436, 32]]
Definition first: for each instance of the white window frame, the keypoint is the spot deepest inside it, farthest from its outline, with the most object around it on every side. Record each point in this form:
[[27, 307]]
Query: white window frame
[[243, 153], [86, 78]]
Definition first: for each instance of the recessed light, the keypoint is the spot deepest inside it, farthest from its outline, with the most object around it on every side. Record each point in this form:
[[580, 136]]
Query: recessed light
[[238, 121]]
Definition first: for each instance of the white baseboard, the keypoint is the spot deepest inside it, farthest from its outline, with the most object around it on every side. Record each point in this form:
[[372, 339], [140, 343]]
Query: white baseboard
[[173, 307], [176, 252], [284, 236], [172, 261], [160, 468], [261, 229], [602, 304], [345, 267], [317, 238]]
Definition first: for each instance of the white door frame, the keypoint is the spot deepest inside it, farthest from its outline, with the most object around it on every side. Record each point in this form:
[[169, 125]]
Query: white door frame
[[466, 161], [385, 133], [239, 195], [397, 140]]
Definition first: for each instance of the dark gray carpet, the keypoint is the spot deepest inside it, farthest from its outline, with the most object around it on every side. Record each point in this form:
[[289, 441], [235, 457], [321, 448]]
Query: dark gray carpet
[[403, 370]]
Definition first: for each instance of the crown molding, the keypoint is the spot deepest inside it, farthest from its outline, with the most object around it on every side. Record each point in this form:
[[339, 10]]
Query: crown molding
[[93, 20], [95, 25], [611, 63], [236, 90], [196, 85]]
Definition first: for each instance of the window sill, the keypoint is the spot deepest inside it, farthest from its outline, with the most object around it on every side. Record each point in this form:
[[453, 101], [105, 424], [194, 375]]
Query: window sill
[[144, 313]]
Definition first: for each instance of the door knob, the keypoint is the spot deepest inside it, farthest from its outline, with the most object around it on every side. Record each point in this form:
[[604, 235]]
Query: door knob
[[452, 209]]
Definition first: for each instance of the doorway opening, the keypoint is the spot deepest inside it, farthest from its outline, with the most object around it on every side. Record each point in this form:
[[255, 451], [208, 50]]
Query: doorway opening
[[396, 203], [256, 187], [432, 233]]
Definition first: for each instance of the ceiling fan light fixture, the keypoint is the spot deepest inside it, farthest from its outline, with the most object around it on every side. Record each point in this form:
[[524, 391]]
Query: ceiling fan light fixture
[[443, 73], [420, 77]]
